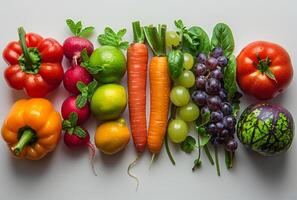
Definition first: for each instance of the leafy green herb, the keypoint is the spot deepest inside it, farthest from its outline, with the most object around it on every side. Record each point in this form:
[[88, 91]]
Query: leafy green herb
[[201, 42], [111, 38], [188, 145], [80, 132], [230, 78], [77, 30], [175, 63], [87, 92], [222, 37]]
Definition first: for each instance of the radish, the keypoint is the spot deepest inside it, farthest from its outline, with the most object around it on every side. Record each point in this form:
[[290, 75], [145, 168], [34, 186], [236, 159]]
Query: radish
[[78, 137], [79, 104], [74, 74], [75, 44]]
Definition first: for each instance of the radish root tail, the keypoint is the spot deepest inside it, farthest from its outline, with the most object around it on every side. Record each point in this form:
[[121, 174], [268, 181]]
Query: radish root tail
[[132, 164], [92, 154]]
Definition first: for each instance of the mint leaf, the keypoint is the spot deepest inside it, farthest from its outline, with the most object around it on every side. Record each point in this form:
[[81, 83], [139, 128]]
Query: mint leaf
[[113, 39], [81, 101], [71, 25], [81, 86], [80, 132], [84, 55], [197, 164], [73, 118], [121, 33], [222, 37], [124, 45], [78, 27], [86, 32], [66, 124], [188, 145], [91, 89]]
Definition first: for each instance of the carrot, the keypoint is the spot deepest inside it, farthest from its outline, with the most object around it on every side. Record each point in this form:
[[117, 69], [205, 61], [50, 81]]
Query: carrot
[[159, 88], [137, 58]]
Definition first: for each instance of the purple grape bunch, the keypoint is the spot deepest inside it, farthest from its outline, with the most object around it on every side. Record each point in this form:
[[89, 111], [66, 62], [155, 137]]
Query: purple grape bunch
[[211, 96]]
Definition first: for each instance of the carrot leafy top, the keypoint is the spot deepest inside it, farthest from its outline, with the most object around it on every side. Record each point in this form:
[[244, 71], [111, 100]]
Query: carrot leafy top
[[156, 38]]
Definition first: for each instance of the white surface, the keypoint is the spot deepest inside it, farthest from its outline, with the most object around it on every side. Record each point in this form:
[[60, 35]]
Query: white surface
[[65, 174]]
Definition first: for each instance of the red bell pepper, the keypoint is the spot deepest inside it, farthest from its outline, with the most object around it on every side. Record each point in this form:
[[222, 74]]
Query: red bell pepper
[[35, 64]]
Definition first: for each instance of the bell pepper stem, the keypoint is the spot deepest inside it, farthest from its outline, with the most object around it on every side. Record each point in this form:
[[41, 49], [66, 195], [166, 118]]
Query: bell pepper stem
[[25, 138], [24, 47]]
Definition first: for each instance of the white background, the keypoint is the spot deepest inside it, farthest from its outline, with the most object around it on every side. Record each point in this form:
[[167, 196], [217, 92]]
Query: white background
[[65, 174]]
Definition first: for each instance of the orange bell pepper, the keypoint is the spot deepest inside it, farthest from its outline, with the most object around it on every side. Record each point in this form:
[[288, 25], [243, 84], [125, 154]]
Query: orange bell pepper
[[32, 128]]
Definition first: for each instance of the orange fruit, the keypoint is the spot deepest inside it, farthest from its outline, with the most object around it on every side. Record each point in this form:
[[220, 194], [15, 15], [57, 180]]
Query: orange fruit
[[112, 136]]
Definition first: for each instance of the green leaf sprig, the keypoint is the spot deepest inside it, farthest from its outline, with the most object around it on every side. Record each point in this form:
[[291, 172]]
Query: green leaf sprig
[[111, 38], [70, 125], [86, 91], [78, 30]]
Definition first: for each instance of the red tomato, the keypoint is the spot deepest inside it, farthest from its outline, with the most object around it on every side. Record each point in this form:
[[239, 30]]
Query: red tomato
[[264, 70]]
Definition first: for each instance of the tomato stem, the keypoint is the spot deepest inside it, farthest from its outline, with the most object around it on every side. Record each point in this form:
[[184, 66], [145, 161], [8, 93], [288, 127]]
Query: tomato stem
[[263, 66], [26, 137]]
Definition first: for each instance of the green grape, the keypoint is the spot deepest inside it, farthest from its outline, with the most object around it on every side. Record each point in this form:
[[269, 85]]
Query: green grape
[[189, 113], [179, 96], [188, 61], [172, 39], [177, 130], [186, 79]]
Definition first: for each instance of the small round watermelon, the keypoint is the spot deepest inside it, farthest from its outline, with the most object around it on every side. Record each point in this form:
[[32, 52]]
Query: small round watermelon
[[265, 128]]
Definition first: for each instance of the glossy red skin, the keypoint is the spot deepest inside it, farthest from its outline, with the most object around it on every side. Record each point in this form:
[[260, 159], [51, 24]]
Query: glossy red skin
[[50, 73], [252, 82], [72, 47], [69, 106], [74, 74], [73, 141]]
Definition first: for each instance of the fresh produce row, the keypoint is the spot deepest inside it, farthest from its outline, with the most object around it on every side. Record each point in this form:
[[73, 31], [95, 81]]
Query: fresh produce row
[[193, 80]]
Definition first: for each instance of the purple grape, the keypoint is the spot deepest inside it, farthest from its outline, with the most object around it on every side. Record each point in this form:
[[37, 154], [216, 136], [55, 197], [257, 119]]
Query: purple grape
[[201, 58], [200, 69], [212, 129], [217, 52], [222, 61], [231, 131], [216, 116], [200, 82], [226, 108], [231, 145], [220, 126], [214, 103], [221, 140], [229, 122], [224, 133], [213, 86], [223, 94], [217, 74], [212, 63], [204, 110], [199, 97]]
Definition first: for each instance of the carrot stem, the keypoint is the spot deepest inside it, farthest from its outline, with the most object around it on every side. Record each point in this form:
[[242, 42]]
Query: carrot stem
[[137, 32], [156, 39]]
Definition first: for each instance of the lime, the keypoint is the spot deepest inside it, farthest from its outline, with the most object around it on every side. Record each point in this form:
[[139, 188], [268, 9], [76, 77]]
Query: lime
[[108, 102], [111, 62]]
